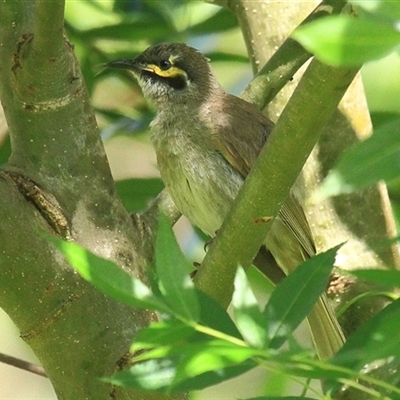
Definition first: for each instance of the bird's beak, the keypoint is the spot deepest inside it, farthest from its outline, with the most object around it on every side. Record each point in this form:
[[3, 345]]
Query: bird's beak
[[125, 64], [132, 65]]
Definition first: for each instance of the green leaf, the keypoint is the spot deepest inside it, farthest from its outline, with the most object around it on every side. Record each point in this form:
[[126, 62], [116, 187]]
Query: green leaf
[[380, 118], [390, 278], [137, 193], [279, 398], [302, 365], [211, 355], [222, 20], [211, 378], [293, 299], [143, 26], [376, 339], [347, 41], [378, 9], [109, 278], [164, 333], [159, 375], [217, 56], [365, 163], [173, 271], [156, 374], [191, 366], [5, 150], [247, 315], [215, 316]]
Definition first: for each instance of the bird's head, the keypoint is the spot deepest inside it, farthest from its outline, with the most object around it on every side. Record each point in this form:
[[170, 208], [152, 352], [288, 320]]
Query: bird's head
[[171, 74]]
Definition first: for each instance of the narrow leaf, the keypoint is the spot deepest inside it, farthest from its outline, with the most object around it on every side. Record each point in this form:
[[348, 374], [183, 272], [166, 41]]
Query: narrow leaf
[[376, 339], [293, 299], [366, 163], [389, 278], [211, 378], [157, 374], [247, 315], [215, 316], [378, 9], [192, 366], [109, 278], [222, 20], [279, 398], [144, 26], [216, 56], [137, 193], [347, 41], [5, 150], [209, 355], [173, 271], [164, 333]]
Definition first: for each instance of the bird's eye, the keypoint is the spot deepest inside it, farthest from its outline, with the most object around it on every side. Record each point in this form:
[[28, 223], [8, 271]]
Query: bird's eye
[[165, 64]]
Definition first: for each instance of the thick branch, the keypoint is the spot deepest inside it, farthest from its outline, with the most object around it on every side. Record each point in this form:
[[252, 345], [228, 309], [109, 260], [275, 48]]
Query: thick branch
[[58, 176], [293, 137], [49, 23]]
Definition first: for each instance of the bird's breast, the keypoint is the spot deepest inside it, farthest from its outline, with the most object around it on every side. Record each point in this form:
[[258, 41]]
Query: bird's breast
[[201, 182]]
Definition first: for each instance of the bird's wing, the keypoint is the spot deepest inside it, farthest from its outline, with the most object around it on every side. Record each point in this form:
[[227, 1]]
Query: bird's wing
[[233, 140], [241, 151], [293, 216]]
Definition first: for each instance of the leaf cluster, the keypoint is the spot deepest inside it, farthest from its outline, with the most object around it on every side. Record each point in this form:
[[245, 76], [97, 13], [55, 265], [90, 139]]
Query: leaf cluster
[[368, 32], [351, 40], [196, 343]]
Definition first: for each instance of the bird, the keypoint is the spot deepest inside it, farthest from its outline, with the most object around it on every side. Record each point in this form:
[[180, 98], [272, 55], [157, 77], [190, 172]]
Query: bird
[[206, 141]]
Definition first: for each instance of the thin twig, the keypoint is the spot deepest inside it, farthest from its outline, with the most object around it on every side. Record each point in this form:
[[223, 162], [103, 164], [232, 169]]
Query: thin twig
[[286, 61], [25, 365]]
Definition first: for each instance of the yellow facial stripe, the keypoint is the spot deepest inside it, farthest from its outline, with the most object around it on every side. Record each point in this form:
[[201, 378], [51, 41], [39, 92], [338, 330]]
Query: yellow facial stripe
[[169, 73]]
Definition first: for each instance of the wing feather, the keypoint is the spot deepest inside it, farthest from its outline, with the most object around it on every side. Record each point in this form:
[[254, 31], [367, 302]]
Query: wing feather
[[240, 152]]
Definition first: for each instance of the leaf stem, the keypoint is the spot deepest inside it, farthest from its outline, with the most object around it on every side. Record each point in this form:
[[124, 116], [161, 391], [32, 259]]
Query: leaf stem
[[219, 335]]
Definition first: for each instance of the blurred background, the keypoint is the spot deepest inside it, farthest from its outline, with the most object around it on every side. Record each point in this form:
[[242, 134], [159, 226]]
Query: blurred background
[[104, 30]]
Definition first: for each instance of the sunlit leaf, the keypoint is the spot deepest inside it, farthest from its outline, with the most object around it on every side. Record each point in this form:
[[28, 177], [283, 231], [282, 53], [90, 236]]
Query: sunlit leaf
[[389, 278], [279, 398], [293, 299], [247, 315], [376, 158], [222, 20], [215, 316], [348, 41], [376, 339], [109, 278], [211, 355], [382, 10], [163, 333], [192, 366], [214, 377], [5, 150], [157, 374], [137, 193], [145, 26], [173, 271], [218, 56]]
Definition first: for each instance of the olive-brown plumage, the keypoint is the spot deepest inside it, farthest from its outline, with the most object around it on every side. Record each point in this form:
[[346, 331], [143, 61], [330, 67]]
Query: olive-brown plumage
[[206, 142]]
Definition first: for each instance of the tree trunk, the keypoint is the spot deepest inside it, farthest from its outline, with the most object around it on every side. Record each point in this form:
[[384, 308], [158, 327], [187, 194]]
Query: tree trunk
[[58, 182]]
